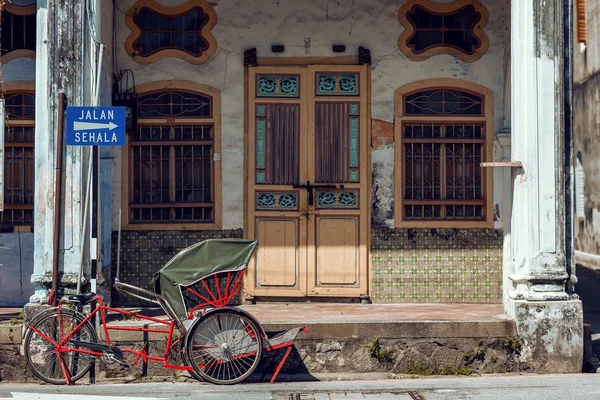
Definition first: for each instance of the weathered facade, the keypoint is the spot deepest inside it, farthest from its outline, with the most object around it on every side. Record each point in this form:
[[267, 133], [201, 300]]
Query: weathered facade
[[586, 91], [371, 147]]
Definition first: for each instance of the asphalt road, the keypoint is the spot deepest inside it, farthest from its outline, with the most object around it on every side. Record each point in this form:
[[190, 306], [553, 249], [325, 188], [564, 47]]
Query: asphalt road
[[514, 387]]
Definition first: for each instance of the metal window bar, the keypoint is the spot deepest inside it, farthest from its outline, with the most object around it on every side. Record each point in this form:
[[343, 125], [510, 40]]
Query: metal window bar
[[461, 170]]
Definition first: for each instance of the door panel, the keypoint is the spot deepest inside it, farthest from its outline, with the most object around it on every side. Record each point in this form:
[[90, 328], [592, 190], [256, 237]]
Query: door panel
[[278, 127], [336, 142], [277, 256], [338, 158], [308, 180], [337, 250]]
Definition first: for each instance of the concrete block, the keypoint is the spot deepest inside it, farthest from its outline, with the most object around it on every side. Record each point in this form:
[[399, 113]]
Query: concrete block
[[551, 333]]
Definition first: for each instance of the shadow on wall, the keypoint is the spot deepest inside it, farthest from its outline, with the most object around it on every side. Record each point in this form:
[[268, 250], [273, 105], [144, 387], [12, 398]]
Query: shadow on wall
[[16, 267]]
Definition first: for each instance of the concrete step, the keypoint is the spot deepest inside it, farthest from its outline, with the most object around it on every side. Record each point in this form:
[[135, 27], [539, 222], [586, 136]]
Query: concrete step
[[395, 339]]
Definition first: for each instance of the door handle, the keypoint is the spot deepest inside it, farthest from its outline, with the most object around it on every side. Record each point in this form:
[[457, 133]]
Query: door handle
[[304, 213], [309, 189]]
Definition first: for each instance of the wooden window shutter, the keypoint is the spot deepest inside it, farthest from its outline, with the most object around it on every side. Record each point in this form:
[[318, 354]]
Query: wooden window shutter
[[581, 22]]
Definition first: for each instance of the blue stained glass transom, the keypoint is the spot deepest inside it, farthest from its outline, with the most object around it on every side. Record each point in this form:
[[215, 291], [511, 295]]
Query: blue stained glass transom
[[260, 177], [354, 142], [336, 85], [277, 86], [337, 199], [266, 200], [287, 200], [353, 109], [277, 201], [354, 176], [260, 143], [347, 199], [260, 110]]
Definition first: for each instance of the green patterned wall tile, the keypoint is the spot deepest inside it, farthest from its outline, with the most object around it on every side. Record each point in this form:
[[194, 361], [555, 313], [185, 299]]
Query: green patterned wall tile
[[428, 265]]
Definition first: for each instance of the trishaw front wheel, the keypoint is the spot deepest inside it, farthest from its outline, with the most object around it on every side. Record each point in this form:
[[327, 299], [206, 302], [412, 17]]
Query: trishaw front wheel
[[224, 347]]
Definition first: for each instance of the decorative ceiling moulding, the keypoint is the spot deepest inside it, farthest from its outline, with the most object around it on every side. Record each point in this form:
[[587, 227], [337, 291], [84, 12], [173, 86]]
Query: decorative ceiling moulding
[[446, 25], [134, 44]]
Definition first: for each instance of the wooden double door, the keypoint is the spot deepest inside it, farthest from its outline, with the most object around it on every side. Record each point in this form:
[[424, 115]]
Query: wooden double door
[[308, 199]]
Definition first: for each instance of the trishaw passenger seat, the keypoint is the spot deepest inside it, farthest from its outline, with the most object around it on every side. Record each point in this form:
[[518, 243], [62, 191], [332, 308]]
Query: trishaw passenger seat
[[83, 298]]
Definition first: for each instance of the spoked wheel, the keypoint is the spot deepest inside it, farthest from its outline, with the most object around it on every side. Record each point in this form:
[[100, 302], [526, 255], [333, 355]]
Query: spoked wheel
[[41, 356], [224, 347]]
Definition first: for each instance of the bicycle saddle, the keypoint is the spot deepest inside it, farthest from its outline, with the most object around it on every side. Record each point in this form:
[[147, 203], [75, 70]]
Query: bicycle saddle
[[82, 298]]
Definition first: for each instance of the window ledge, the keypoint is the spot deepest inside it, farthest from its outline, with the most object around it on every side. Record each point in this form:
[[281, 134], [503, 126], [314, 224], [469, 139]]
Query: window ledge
[[444, 224], [172, 227]]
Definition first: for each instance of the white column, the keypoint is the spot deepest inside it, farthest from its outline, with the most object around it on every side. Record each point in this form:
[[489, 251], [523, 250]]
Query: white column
[[43, 211], [548, 318], [59, 65]]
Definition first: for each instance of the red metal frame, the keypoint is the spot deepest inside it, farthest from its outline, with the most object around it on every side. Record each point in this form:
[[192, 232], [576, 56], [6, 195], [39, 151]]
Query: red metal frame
[[101, 308], [233, 285], [217, 302]]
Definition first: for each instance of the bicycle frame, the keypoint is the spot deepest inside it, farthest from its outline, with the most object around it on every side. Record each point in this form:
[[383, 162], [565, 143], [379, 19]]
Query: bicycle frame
[[61, 346]]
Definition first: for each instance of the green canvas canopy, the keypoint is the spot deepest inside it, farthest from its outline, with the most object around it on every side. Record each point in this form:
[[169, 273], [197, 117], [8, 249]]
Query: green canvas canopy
[[198, 261]]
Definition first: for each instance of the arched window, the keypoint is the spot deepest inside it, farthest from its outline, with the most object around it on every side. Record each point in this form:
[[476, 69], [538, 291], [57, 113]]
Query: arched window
[[18, 32], [172, 160], [19, 138], [444, 131]]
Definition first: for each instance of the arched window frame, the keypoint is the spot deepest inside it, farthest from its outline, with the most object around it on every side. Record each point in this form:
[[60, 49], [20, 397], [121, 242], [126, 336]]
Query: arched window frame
[[442, 9], [18, 211], [127, 159], [487, 119], [18, 11], [179, 10]]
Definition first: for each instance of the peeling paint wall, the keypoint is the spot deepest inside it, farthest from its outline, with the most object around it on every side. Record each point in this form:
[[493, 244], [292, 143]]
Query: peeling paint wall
[[586, 125], [309, 28], [16, 249], [19, 70], [586, 130], [586, 60]]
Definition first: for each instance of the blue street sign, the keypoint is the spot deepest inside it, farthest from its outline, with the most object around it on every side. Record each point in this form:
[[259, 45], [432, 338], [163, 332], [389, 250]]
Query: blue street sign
[[96, 126]]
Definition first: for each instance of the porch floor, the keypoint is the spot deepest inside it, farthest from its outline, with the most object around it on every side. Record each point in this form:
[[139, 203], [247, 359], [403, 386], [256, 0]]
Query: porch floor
[[331, 313], [335, 321]]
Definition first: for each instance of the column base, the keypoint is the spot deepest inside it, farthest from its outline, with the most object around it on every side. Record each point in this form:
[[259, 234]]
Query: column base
[[30, 310], [551, 333], [67, 285]]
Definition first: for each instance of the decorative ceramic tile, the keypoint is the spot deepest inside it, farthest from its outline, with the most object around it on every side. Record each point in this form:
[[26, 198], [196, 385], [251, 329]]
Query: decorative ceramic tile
[[143, 253], [436, 265]]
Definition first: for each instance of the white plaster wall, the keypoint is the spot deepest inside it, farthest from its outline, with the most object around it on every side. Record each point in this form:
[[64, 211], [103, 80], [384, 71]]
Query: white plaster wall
[[19, 69], [309, 28]]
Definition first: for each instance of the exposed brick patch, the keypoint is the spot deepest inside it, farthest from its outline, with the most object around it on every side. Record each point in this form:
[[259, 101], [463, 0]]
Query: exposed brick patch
[[382, 133]]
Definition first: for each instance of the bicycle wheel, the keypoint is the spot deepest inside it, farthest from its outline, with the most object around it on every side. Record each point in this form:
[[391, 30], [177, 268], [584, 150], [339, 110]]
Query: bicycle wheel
[[39, 352], [224, 346]]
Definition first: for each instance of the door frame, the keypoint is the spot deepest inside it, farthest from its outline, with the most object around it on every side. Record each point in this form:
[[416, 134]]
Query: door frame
[[366, 173]]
